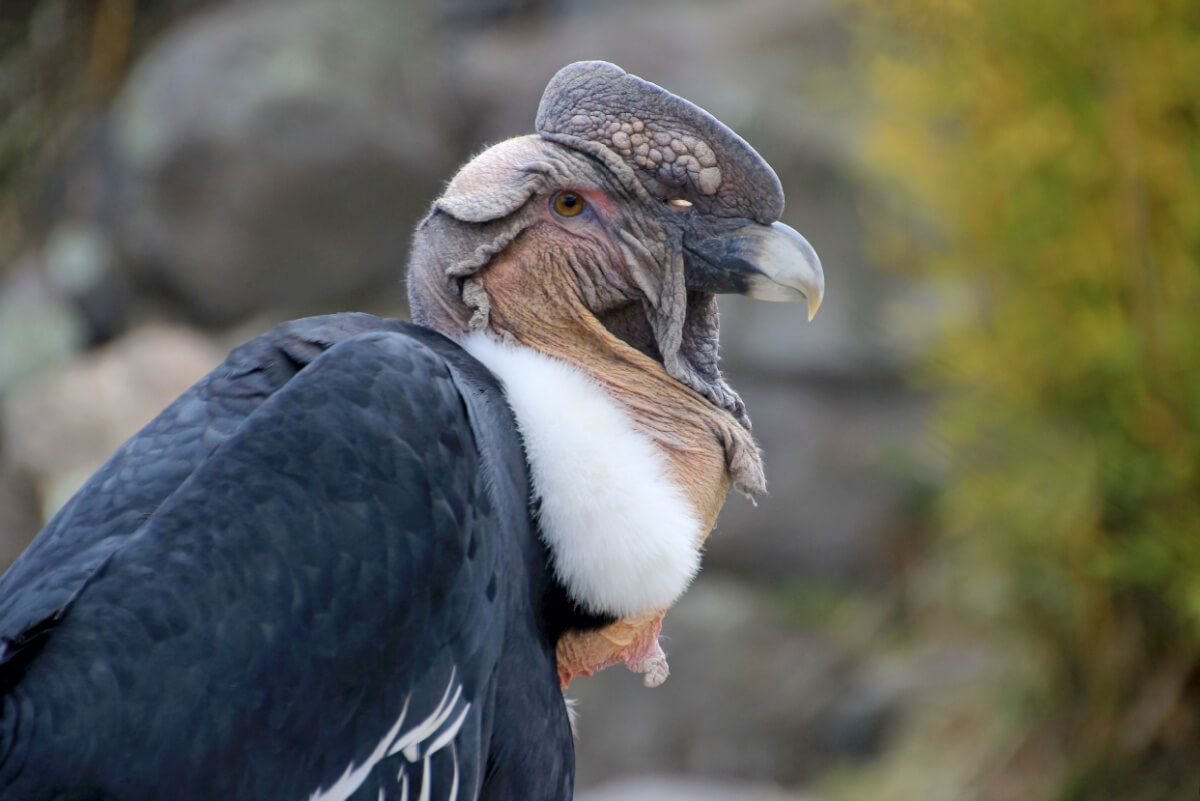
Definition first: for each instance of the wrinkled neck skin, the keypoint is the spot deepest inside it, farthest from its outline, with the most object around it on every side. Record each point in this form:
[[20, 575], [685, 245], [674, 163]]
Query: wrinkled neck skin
[[528, 303]]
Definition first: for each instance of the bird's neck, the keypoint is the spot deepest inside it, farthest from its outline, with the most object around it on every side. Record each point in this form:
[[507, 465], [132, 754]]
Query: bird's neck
[[694, 435]]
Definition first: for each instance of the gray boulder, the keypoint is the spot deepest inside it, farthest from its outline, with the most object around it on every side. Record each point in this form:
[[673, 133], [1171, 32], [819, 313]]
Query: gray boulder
[[276, 155]]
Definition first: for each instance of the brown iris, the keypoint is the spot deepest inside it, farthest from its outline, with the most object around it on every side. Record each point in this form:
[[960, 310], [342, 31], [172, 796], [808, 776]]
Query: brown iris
[[569, 204]]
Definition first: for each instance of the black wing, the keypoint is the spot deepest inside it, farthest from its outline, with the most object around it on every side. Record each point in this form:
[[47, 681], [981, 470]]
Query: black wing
[[312, 577]]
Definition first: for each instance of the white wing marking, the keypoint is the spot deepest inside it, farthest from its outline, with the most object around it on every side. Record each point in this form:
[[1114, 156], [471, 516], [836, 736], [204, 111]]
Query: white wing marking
[[454, 784], [411, 741], [426, 780], [451, 732], [411, 744], [353, 778], [413, 749]]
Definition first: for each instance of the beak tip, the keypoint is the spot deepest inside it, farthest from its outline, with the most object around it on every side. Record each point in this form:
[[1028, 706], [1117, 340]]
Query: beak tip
[[814, 303], [792, 261]]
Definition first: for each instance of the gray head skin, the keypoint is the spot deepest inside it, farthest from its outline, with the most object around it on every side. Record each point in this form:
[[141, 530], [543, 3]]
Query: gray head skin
[[676, 208]]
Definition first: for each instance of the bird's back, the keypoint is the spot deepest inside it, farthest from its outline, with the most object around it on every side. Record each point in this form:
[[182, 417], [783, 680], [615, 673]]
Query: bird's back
[[314, 575]]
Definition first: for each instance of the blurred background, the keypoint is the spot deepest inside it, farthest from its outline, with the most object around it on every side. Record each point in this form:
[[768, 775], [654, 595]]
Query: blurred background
[[977, 575]]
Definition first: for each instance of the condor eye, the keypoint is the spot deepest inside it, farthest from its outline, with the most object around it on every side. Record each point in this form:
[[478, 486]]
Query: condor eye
[[569, 204]]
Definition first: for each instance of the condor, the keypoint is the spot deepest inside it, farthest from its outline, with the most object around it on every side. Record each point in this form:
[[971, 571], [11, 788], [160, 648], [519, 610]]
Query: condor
[[361, 558]]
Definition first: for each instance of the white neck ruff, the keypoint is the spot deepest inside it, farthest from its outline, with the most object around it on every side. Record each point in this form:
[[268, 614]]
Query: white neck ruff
[[623, 537]]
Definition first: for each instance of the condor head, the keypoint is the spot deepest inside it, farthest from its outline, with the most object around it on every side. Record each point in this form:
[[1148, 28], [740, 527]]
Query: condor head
[[603, 239]]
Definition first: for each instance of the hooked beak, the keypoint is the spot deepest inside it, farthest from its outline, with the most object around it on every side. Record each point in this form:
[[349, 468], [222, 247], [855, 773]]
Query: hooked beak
[[765, 262], [789, 269]]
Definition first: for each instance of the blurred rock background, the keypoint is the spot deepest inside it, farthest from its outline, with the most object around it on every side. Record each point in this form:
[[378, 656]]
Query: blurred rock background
[[936, 600]]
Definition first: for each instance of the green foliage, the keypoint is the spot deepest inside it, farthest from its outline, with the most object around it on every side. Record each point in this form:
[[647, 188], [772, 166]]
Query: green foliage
[[1045, 156]]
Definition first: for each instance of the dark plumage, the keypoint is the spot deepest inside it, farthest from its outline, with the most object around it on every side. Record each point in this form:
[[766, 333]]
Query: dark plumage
[[331, 522]]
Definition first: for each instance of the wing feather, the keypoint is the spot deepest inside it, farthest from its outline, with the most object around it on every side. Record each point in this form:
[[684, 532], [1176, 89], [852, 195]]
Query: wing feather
[[312, 555]]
